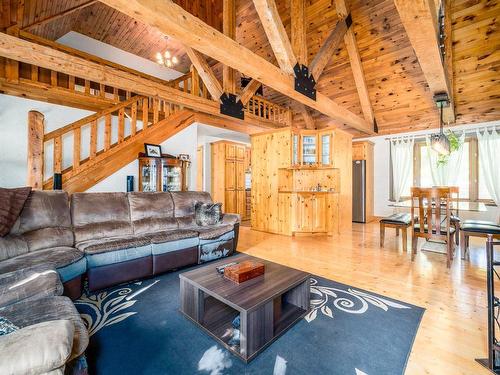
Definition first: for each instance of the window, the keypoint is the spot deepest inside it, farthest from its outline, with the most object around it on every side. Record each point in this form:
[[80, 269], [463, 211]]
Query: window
[[470, 179]]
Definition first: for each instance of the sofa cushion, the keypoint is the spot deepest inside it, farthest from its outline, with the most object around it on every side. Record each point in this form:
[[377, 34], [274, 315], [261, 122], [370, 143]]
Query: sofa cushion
[[118, 256], [100, 215], [37, 349], [27, 313], [11, 203], [215, 232], [104, 245], [28, 284], [45, 238], [12, 246], [169, 241], [151, 212], [184, 201], [44, 209], [57, 256]]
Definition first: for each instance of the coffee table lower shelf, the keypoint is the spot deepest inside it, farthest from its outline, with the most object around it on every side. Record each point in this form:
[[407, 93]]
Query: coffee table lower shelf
[[259, 327]]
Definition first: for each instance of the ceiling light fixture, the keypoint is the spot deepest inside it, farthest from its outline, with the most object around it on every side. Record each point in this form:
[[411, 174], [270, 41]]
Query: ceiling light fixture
[[440, 142]]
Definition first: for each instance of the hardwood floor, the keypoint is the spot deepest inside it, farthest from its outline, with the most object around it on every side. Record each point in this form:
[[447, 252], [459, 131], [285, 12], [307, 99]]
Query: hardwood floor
[[454, 327]]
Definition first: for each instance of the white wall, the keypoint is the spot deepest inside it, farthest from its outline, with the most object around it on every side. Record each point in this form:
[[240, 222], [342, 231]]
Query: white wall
[[116, 55], [383, 207]]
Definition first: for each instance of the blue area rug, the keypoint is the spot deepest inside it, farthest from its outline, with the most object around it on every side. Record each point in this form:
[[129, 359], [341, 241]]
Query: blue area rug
[[137, 329]]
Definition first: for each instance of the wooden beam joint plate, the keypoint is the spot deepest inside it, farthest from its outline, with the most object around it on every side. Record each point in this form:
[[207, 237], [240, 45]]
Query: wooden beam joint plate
[[304, 82], [230, 107]]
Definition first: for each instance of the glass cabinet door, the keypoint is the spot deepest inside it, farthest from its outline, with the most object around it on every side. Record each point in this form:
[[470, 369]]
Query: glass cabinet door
[[295, 149], [172, 178], [326, 142], [148, 177], [309, 149]]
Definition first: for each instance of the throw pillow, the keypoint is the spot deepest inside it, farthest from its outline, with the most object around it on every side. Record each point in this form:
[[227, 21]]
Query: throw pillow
[[207, 213], [6, 326], [11, 203]]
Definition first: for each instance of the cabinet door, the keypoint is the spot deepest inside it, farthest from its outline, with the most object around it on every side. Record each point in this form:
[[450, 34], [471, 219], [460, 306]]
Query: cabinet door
[[230, 175], [304, 213], [318, 202], [240, 152], [325, 143], [230, 204], [358, 151], [295, 149], [248, 158], [240, 175], [309, 149], [241, 203], [230, 151]]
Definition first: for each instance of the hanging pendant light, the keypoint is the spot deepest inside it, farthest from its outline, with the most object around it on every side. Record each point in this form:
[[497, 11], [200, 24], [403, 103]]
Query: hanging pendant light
[[440, 142]]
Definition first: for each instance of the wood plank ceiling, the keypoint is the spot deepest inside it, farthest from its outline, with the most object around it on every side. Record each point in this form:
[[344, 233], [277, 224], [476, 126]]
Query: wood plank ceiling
[[397, 88]]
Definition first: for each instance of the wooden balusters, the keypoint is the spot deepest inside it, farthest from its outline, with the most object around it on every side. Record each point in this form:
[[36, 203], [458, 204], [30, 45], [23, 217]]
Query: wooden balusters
[[34, 73], [102, 90], [155, 111], [71, 83], [115, 94], [35, 149], [57, 154], [121, 125], [133, 121], [53, 78], [93, 139], [77, 143], [145, 113], [87, 87], [107, 132]]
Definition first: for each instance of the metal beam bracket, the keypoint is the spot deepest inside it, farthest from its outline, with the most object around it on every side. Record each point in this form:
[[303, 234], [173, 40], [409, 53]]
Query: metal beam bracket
[[230, 107], [304, 82]]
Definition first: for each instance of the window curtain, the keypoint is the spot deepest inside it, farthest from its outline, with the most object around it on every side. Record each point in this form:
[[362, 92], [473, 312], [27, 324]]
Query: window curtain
[[444, 174], [402, 164], [488, 149]]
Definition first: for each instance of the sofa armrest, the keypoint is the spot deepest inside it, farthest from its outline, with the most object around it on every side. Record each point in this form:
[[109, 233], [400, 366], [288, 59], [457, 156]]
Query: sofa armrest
[[37, 349], [231, 219], [29, 283]]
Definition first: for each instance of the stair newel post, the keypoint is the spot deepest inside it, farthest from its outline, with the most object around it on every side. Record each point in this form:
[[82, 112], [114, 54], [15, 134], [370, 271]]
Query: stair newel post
[[36, 132]]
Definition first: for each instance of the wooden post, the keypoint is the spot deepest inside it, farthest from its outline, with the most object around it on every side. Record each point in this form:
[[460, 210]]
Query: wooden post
[[35, 149], [195, 82], [12, 66]]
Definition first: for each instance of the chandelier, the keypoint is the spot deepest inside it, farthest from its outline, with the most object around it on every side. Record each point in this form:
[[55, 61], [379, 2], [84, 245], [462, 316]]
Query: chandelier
[[166, 59], [440, 142]]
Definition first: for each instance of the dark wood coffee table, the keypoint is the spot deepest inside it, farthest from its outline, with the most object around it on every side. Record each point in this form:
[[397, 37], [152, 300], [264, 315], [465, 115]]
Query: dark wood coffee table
[[267, 305]]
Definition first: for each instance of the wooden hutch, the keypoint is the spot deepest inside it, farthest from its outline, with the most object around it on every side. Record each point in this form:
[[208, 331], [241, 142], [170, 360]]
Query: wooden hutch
[[302, 181], [162, 174], [230, 162]]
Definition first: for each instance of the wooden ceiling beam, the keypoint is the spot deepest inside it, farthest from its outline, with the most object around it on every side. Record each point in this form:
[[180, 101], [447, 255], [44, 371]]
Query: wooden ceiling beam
[[229, 29], [419, 19], [58, 15], [205, 72], [276, 34], [174, 21], [357, 68], [249, 91], [330, 44], [306, 116]]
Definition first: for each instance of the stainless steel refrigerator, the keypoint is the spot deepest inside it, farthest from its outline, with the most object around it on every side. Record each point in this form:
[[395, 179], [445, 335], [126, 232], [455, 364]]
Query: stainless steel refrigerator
[[359, 191]]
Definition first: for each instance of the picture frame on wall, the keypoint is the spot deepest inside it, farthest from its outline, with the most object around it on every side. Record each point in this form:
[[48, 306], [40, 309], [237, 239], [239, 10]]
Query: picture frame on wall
[[152, 151], [184, 157]]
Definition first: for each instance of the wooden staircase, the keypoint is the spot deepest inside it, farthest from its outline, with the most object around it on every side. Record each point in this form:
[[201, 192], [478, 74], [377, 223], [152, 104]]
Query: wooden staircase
[[103, 143]]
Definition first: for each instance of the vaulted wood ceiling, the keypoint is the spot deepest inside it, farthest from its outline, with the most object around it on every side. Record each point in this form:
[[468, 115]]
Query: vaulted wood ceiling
[[397, 88]]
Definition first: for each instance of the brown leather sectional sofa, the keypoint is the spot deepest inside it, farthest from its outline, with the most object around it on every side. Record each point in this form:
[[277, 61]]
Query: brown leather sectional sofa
[[113, 237]]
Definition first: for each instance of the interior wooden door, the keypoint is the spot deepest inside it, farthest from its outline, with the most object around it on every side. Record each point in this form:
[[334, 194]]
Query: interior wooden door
[[240, 175], [241, 203], [230, 175], [230, 202], [318, 218]]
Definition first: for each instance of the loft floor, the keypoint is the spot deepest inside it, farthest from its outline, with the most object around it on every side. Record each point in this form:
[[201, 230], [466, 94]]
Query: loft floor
[[454, 328]]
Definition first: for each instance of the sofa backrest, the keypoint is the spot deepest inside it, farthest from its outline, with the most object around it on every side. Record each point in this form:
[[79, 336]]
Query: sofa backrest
[[151, 212], [100, 215], [184, 202], [45, 221]]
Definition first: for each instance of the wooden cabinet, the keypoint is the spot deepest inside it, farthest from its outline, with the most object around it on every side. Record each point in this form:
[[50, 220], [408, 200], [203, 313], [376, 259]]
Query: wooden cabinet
[[162, 174], [363, 150], [309, 212], [313, 148], [229, 162]]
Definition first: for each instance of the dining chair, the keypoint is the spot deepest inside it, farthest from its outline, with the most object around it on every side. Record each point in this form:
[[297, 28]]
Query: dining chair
[[430, 213]]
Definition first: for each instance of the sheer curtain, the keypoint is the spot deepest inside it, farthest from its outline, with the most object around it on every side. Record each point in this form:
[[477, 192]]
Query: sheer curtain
[[445, 174], [488, 149], [402, 164]]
